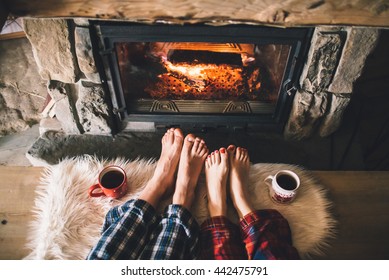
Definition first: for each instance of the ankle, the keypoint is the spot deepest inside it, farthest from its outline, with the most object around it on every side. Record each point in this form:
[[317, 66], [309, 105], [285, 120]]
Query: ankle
[[239, 197], [242, 205], [184, 199], [243, 209], [217, 209]]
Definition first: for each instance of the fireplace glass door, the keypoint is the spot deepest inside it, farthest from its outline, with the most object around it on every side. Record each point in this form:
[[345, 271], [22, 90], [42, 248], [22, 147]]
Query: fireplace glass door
[[201, 73], [194, 77]]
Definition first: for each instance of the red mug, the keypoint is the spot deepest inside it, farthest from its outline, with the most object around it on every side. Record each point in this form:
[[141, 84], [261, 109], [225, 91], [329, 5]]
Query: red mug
[[112, 183]]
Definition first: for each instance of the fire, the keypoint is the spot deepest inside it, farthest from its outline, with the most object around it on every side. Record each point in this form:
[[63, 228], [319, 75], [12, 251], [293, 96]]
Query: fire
[[203, 81], [191, 71]]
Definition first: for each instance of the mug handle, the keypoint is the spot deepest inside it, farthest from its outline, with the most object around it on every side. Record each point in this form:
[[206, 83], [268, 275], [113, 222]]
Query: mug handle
[[92, 193], [268, 180]]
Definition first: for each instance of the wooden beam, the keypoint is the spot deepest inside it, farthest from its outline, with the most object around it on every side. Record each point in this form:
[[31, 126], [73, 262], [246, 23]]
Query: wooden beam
[[267, 12], [14, 35]]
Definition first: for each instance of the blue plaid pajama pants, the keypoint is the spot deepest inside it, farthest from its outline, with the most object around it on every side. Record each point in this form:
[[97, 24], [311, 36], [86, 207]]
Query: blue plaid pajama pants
[[134, 230]]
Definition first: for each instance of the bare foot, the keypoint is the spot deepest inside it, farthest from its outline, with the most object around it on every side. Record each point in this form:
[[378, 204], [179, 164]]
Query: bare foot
[[216, 172], [163, 179], [194, 152], [239, 173]]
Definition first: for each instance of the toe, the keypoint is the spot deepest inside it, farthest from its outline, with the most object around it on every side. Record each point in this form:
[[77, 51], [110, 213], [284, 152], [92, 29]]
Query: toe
[[217, 157], [238, 153], [223, 154], [207, 162], [211, 158], [196, 144], [200, 146], [178, 132], [231, 149], [166, 137], [178, 136], [189, 140], [204, 152]]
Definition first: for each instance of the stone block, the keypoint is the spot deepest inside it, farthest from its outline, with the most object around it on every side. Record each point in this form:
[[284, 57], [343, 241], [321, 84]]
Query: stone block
[[360, 42], [81, 21], [11, 121], [49, 124], [93, 110], [53, 49], [84, 54], [22, 91], [65, 96], [322, 61], [58, 90], [333, 117], [306, 114]]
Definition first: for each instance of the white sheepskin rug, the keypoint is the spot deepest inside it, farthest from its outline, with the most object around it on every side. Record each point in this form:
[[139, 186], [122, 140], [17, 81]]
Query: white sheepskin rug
[[67, 222]]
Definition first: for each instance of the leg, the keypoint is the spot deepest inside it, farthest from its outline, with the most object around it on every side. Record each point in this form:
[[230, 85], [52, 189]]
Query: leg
[[220, 238], [163, 179], [192, 160], [266, 233], [239, 173], [127, 227], [177, 234], [216, 171]]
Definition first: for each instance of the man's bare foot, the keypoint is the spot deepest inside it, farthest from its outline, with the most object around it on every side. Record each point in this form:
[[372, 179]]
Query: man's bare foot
[[216, 173], [239, 173], [193, 154], [163, 178]]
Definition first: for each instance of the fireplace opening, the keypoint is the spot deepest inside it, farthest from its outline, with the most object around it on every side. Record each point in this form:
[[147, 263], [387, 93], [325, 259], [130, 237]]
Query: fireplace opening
[[201, 75]]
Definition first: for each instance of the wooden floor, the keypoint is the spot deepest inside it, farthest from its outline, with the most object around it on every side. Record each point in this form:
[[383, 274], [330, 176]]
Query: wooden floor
[[361, 206], [17, 192]]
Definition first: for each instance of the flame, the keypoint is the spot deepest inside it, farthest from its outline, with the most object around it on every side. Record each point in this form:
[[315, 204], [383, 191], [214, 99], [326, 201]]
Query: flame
[[203, 81], [199, 74], [191, 71]]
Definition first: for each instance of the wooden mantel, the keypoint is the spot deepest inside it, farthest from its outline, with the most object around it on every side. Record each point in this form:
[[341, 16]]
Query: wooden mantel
[[282, 13]]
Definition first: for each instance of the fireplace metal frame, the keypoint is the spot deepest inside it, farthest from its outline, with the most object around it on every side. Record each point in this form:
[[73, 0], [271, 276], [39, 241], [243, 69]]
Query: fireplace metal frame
[[105, 34]]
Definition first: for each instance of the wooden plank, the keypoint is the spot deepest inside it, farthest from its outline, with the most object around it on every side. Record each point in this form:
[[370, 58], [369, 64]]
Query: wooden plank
[[361, 205], [17, 194], [276, 12], [14, 35], [13, 236]]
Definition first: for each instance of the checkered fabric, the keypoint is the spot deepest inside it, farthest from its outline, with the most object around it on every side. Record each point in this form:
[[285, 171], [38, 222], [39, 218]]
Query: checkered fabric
[[263, 234], [175, 237], [267, 235], [135, 231], [220, 239]]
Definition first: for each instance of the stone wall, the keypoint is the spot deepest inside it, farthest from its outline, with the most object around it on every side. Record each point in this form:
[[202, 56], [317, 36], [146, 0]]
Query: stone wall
[[22, 91], [63, 52], [335, 60]]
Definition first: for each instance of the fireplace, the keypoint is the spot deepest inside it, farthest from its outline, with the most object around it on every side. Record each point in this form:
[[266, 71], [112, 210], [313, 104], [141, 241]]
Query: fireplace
[[200, 76]]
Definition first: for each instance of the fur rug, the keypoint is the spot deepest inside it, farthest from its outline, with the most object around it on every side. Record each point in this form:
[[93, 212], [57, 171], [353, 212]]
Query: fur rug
[[67, 222]]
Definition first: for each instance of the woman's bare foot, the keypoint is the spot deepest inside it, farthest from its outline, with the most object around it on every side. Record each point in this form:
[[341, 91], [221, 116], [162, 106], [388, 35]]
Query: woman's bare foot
[[239, 173], [193, 154], [216, 172], [163, 179]]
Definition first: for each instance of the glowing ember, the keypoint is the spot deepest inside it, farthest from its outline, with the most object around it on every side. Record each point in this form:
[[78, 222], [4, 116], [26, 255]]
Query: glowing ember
[[204, 81]]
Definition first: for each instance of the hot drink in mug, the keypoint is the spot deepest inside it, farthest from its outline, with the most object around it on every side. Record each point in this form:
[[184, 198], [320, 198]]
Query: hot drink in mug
[[283, 186], [112, 182]]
